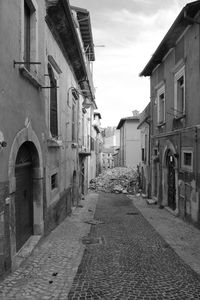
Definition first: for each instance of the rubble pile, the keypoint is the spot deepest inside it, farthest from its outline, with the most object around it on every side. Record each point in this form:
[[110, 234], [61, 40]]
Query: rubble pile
[[116, 180]]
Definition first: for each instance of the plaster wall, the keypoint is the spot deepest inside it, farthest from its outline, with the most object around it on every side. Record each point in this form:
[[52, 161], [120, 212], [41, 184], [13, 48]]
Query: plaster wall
[[133, 152], [20, 100], [21, 119], [64, 159]]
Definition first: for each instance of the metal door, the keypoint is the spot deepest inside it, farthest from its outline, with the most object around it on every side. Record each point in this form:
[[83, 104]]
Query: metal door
[[23, 197], [171, 181]]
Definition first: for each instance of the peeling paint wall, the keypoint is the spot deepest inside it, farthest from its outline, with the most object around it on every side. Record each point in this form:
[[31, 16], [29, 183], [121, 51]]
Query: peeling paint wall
[[181, 133]]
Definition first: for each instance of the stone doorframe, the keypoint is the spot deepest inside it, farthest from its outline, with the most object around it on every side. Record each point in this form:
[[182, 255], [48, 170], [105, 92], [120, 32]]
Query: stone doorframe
[[169, 146], [27, 134]]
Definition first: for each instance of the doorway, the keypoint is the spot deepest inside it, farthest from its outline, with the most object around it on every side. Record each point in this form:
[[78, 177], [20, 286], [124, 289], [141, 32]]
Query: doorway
[[170, 162], [23, 196]]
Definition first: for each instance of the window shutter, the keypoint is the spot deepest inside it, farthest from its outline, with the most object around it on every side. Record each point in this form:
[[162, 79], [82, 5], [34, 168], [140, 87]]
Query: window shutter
[[53, 103]]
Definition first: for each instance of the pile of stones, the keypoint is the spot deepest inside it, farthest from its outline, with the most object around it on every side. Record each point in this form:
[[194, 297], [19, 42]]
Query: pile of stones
[[116, 180]]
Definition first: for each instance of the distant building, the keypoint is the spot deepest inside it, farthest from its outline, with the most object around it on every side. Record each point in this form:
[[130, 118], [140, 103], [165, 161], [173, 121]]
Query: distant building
[[129, 153], [110, 144], [111, 137]]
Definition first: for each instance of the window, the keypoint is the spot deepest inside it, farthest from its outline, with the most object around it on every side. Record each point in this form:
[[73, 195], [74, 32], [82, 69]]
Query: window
[[29, 34], [161, 105], [187, 159], [155, 152], [143, 154], [53, 103], [92, 144], [179, 93], [54, 181]]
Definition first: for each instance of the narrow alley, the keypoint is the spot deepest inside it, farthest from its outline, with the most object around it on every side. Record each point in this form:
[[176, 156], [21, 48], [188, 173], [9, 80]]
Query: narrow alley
[[109, 253], [99, 150]]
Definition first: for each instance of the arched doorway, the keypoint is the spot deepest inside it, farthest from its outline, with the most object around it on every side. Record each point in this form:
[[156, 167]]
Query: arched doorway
[[171, 181], [23, 195]]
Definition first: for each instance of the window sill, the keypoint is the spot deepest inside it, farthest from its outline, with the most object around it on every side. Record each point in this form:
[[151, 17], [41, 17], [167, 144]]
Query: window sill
[[177, 118], [187, 169], [161, 124], [29, 76], [53, 143]]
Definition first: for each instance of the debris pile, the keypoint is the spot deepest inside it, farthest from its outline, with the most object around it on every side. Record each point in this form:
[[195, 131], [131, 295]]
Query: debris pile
[[116, 180]]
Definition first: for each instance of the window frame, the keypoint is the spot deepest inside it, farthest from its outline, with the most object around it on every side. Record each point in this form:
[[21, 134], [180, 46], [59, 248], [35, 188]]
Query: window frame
[[187, 150], [33, 36], [55, 77], [54, 181], [160, 91], [177, 76]]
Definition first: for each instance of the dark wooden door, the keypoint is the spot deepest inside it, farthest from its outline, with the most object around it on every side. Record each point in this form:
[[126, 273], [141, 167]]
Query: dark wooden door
[[23, 200], [74, 188], [171, 182], [83, 178], [155, 179]]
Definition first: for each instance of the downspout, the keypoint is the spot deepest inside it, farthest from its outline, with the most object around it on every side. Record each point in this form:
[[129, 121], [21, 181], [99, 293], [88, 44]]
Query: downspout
[[196, 157], [148, 188]]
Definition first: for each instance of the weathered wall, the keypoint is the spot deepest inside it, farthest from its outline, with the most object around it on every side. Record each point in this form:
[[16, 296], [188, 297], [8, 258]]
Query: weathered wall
[[187, 181], [62, 160], [21, 102], [133, 152]]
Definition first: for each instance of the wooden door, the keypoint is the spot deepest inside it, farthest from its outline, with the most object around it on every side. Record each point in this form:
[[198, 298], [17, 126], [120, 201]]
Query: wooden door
[[171, 181], [23, 197]]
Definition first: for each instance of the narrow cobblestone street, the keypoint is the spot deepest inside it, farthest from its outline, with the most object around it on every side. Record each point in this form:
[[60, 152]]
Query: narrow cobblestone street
[[120, 256], [132, 261]]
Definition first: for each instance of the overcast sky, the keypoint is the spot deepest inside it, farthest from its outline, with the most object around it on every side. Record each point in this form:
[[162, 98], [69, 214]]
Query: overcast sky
[[131, 30]]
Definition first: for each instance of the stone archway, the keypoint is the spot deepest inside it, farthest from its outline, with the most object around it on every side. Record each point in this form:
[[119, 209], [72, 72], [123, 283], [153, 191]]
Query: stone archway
[[26, 136], [170, 177]]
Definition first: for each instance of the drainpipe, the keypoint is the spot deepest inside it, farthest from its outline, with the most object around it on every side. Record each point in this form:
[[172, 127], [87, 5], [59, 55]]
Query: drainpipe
[[148, 188], [196, 156]]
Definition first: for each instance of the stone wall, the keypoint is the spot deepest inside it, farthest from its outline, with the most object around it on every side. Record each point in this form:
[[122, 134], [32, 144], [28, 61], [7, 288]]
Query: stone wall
[[58, 211], [5, 260]]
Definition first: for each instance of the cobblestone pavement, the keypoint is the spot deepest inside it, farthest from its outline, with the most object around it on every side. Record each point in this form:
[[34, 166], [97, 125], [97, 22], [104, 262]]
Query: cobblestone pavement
[[183, 237], [126, 258], [48, 273], [121, 256]]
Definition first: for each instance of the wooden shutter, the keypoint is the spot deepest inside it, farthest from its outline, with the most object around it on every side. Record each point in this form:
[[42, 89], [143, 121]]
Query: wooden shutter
[[53, 103]]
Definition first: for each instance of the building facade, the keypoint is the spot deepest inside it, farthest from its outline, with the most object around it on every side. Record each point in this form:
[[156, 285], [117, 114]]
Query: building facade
[[175, 90], [145, 174], [129, 153], [46, 91], [111, 139]]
